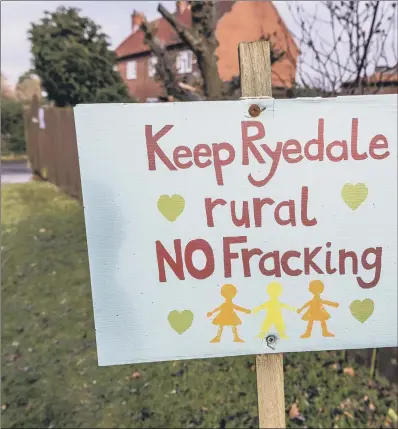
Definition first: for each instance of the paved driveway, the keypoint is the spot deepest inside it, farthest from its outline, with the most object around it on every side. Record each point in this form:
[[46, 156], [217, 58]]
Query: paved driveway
[[15, 172]]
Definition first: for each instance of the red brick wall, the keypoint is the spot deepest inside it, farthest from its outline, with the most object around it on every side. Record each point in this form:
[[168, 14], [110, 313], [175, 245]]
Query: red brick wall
[[247, 22], [144, 86]]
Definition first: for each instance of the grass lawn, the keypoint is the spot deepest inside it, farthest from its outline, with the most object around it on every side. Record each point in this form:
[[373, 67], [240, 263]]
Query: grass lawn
[[50, 376]]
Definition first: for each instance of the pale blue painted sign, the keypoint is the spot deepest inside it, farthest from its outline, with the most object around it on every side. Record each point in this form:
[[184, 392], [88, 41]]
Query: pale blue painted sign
[[213, 233]]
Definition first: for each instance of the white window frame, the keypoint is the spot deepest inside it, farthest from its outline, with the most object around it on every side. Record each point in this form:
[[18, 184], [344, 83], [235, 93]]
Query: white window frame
[[131, 70], [152, 61], [184, 62]]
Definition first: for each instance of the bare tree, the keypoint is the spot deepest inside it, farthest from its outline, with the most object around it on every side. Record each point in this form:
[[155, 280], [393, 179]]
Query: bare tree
[[201, 40], [7, 91], [343, 42], [164, 67], [28, 85]]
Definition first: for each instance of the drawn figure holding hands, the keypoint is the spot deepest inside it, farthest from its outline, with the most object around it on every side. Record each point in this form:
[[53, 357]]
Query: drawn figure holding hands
[[274, 311], [316, 311], [227, 314]]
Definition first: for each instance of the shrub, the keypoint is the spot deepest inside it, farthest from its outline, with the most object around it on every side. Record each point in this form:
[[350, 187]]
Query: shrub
[[12, 126]]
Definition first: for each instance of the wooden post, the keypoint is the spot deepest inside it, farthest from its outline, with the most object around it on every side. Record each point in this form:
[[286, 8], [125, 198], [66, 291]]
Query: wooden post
[[255, 76]]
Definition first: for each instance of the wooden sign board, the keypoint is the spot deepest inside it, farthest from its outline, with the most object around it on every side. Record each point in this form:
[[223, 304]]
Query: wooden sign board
[[212, 232]]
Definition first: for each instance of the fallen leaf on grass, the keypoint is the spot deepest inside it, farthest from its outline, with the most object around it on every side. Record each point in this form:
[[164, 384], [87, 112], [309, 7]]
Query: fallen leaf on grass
[[294, 413], [12, 357], [372, 407], [135, 375], [346, 413], [371, 384], [4, 407], [392, 414], [345, 403], [349, 371]]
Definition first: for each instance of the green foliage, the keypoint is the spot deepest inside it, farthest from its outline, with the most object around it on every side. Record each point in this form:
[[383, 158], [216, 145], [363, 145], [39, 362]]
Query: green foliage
[[50, 376], [12, 126], [73, 60]]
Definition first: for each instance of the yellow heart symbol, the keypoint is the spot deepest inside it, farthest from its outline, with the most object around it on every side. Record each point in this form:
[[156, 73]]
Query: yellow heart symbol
[[171, 207], [362, 310], [354, 195], [180, 321]]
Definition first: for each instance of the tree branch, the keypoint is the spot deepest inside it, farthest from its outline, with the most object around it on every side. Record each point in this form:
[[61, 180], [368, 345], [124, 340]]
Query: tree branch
[[366, 47], [200, 38], [183, 32], [164, 67]]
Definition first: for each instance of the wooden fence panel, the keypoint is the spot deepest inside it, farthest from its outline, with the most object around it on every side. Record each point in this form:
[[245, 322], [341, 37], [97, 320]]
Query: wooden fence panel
[[48, 168], [32, 133], [56, 147], [75, 168], [52, 149], [63, 154]]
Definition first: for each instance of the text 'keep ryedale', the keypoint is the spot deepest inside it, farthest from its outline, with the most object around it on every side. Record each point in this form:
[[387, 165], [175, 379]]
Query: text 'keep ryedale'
[[292, 151]]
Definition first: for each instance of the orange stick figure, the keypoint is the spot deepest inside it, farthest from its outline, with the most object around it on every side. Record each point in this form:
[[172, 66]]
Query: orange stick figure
[[316, 311], [227, 315]]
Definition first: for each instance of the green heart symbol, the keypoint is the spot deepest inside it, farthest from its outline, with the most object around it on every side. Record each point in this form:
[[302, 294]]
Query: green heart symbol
[[362, 310], [171, 207], [180, 321], [354, 195]]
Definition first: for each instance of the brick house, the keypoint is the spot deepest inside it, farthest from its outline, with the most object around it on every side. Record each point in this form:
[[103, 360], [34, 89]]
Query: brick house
[[237, 21]]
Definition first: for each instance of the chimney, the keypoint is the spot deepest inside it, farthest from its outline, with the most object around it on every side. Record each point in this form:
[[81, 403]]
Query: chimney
[[137, 18], [182, 6]]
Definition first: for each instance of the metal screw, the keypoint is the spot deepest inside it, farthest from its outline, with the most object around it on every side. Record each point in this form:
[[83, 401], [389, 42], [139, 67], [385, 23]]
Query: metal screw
[[271, 341], [254, 110]]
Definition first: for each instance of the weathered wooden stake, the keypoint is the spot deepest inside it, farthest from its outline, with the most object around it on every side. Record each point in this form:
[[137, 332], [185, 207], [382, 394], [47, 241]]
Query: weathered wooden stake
[[255, 75]]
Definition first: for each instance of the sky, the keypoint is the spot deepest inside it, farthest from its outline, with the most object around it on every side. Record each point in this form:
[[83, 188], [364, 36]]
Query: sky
[[16, 17], [113, 16]]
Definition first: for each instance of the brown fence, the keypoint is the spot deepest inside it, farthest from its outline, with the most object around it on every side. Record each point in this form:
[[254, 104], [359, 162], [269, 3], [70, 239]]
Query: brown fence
[[51, 146]]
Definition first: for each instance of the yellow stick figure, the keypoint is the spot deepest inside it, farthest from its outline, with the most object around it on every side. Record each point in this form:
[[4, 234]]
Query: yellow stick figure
[[274, 311], [227, 315], [316, 311]]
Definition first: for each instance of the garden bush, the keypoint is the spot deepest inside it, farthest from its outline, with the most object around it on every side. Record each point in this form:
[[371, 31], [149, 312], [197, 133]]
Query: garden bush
[[12, 127]]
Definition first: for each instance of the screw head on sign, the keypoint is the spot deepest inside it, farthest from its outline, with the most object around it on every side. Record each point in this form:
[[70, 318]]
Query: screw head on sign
[[254, 110]]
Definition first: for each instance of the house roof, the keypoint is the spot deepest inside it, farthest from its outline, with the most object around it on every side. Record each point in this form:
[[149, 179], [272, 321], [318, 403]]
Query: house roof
[[134, 44], [381, 76]]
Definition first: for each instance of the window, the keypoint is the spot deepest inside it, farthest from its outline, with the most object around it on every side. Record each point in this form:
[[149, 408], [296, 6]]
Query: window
[[184, 62], [152, 61], [131, 70]]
